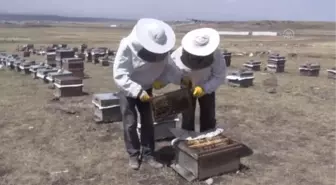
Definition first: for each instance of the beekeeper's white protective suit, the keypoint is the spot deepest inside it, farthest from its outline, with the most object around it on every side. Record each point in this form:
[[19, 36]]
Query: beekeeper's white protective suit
[[200, 59], [134, 76]]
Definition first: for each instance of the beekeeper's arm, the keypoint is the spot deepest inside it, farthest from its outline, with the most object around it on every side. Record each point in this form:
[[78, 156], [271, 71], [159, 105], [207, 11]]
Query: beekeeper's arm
[[122, 68], [171, 73], [218, 73]]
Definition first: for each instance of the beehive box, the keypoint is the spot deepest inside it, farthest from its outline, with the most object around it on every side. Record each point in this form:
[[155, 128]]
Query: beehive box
[[51, 76], [332, 73], [67, 86], [162, 128], [104, 61], [205, 158], [241, 78], [51, 59], [33, 69], [106, 107], [74, 65], [276, 63], [25, 66], [309, 69], [26, 54], [17, 65], [253, 65], [10, 64], [42, 73], [62, 54]]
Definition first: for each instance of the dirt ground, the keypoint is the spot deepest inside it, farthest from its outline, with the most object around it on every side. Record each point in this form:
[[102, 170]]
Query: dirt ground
[[292, 132]]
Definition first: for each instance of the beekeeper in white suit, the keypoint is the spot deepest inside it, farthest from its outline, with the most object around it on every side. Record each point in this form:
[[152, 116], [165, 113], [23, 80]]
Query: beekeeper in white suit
[[141, 62], [200, 59]]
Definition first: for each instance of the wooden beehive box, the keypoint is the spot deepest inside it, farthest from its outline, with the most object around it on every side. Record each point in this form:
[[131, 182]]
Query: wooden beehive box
[[104, 61], [51, 59], [309, 69], [67, 86], [17, 64], [25, 66], [51, 76], [171, 103], [207, 158], [63, 53], [162, 128], [75, 65], [106, 107], [43, 73], [253, 65], [241, 78], [332, 73], [33, 69], [26, 54], [276, 63], [10, 64]]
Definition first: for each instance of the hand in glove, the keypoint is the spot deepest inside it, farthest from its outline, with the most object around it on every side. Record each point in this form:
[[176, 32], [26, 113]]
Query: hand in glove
[[144, 97], [198, 92], [186, 82], [158, 85]]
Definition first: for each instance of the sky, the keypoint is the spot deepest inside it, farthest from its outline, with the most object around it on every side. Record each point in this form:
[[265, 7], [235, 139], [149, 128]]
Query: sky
[[306, 10]]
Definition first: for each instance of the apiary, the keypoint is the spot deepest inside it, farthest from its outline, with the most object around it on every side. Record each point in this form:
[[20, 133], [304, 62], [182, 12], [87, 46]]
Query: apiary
[[51, 76], [104, 61], [75, 65], [51, 59], [25, 66], [253, 65], [162, 128], [106, 107], [67, 86], [207, 155], [33, 69], [242, 78], [332, 73], [276, 63], [26, 54], [62, 54], [227, 58], [42, 73], [171, 103], [309, 69]]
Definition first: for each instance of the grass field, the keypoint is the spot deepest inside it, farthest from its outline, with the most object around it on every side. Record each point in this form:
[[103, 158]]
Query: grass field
[[291, 132]]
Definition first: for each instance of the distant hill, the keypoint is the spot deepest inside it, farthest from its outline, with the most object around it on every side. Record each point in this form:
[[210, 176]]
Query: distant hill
[[40, 17]]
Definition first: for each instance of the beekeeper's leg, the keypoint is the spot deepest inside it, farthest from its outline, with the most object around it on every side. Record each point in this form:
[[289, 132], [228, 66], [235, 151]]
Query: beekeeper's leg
[[147, 133], [188, 117], [129, 118], [147, 127], [207, 112]]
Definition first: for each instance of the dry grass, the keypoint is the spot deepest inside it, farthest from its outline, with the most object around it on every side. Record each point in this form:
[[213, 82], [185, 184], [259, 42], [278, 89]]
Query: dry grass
[[291, 132]]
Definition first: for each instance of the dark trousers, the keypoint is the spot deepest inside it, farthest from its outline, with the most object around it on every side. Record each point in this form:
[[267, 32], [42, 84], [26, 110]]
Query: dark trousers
[[207, 114], [128, 107]]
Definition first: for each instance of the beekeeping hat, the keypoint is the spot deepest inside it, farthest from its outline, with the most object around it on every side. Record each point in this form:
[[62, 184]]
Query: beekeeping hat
[[154, 35], [201, 42]]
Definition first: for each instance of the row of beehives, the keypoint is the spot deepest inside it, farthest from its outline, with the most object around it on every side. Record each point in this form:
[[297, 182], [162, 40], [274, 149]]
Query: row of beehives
[[102, 55], [65, 82], [275, 63]]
